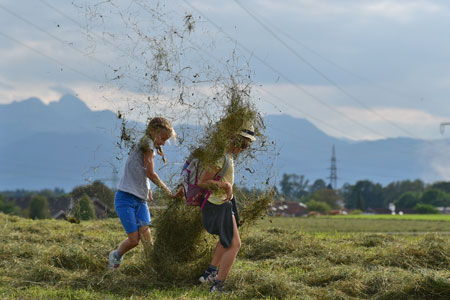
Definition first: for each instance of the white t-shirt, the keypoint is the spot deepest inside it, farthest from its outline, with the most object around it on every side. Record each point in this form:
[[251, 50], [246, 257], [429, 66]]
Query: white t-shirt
[[134, 179]]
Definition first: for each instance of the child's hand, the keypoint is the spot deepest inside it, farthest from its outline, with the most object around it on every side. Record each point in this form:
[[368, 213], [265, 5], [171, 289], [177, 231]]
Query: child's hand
[[179, 193], [150, 196], [228, 188]]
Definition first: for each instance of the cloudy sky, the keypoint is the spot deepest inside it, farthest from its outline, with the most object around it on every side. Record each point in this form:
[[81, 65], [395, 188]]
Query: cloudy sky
[[356, 69]]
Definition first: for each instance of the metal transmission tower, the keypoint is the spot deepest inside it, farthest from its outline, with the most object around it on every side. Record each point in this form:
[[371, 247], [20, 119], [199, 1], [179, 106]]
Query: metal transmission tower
[[333, 170]]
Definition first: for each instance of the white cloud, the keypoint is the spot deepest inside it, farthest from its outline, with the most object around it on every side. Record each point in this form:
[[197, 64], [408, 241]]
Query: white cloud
[[402, 11], [343, 120], [17, 91], [398, 10], [16, 53]]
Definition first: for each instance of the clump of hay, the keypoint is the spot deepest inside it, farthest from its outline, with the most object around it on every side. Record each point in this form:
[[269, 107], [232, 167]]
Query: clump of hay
[[239, 111], [374, 240], [262, 246], [257, 285], [254, 207], [430, 252], [181, 250]]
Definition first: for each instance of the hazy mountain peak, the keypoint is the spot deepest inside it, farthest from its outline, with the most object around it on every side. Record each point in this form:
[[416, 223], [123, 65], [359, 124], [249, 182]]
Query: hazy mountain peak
[[29, 103], [71, 103]]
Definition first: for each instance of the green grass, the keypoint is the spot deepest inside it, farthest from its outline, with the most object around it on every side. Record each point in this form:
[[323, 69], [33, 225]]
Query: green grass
[[355, 224], [435, 217], [280, 258]]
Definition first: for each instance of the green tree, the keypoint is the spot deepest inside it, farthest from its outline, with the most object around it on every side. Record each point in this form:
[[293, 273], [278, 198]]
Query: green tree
[[327, 196], [84, 209], [8, 207], [294, 186], [321, 207], [436, 198], [407, 200], [96, 190], [359, 202], [441, 185], [364, 194], [39, 207], [421, 208], [319, 184], [394, 190]]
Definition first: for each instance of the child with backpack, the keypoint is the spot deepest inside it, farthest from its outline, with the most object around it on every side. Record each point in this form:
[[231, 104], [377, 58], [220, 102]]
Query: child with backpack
[[219, 215], [134, 189]]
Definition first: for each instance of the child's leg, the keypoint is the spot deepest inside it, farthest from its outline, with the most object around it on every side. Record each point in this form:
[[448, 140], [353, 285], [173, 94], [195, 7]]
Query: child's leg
[[125, 205], [229, 254], [145, 235], [128, 244], [217, 256]]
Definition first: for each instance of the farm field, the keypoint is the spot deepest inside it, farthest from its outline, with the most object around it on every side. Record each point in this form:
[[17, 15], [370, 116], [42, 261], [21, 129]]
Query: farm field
[[280, 258], [363, 223], [434, 217]]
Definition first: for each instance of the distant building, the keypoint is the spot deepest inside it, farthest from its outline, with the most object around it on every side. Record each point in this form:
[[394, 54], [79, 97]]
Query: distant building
[[288, 209], [101, 210], [443, 210]]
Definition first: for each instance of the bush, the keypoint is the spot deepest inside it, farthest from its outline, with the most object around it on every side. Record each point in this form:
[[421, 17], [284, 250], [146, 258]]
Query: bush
[[407, 200], [356, 212], [435, 198], [8, 207], [84, 209], [321, 207], [425, 209], [39, 208]]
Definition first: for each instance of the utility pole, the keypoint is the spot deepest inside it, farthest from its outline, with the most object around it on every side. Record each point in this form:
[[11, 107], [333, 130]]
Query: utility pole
[[333, 170]]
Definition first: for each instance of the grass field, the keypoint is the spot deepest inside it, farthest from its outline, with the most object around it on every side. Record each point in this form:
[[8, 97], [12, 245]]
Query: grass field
[[434, 217], [280, 258], [363, 223]]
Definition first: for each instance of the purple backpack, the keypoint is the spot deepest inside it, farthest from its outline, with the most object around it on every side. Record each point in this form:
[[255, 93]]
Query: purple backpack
[[195, 195]]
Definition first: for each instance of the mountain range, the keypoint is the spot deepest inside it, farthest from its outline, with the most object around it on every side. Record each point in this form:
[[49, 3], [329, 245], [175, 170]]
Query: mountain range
[[64, 144]]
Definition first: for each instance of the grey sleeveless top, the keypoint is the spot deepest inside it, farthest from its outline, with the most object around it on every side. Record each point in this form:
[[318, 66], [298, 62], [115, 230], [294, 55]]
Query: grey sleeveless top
[[134, 179]]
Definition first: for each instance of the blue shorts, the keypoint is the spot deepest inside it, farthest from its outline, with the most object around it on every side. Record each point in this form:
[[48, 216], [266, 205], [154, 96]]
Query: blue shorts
[[132, 211]]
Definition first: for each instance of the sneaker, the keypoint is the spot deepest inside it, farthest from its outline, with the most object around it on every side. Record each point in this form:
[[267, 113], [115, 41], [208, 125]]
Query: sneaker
[[217, 286], [208, 276], [114, 263]]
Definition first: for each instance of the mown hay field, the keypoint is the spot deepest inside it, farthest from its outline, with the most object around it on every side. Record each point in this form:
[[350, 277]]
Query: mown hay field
[[280, 258]]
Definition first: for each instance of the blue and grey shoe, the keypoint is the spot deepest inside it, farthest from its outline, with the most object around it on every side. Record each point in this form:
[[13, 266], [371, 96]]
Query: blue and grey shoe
[[208, 276], [114, 263], [217, 286]]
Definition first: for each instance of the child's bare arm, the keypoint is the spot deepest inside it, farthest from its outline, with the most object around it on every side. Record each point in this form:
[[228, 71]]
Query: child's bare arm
[[207, 181], [151, 174]]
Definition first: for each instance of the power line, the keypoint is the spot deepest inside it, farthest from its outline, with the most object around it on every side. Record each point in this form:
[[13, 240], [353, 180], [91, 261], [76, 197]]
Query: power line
[[317, 99], [49, 57], [323, 75], [267, 91], [52, 35], [273, 95], [331, 62], [92, 32]]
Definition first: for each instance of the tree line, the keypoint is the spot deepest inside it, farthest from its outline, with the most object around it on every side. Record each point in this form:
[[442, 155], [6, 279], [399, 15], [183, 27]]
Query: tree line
[[411, 196], [78, 204]]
